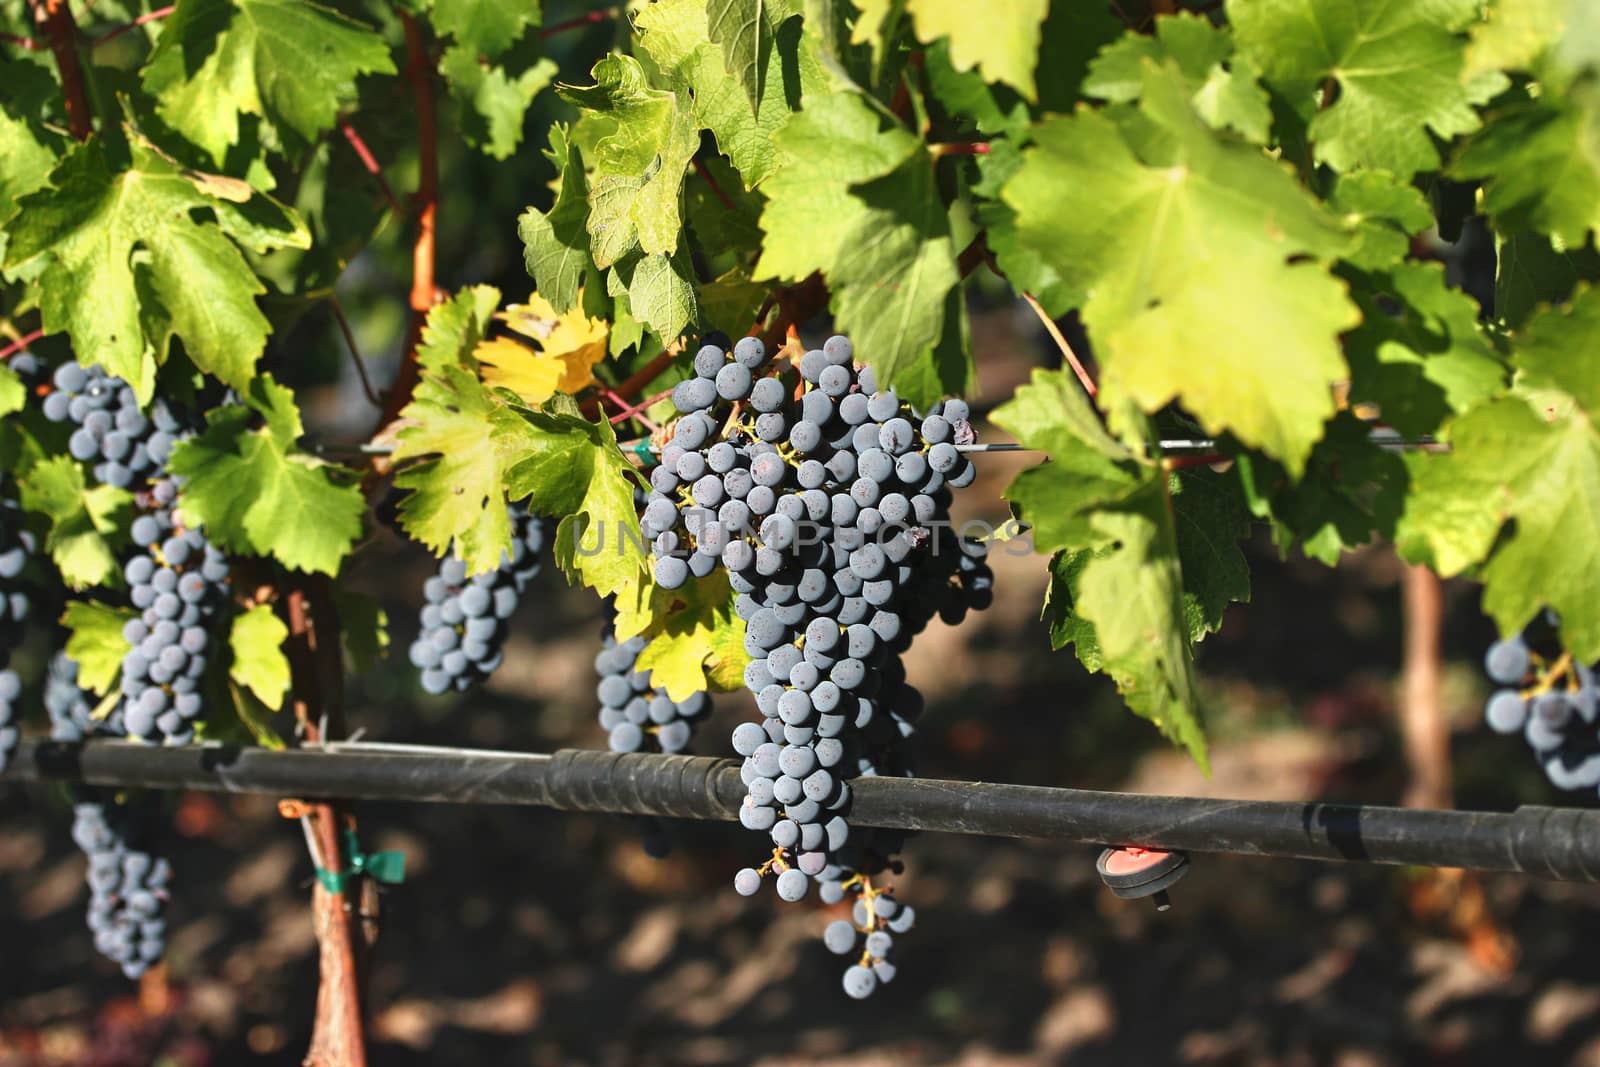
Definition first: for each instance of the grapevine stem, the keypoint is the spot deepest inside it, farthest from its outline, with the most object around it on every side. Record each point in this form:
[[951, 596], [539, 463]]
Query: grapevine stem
[[1061, 342], [20, 343], [55, 17], [959, 148], [589, 19], [337, 1039], [629, 412], [27, 43], [355, 353], [419, 71], [633, 409], [369, 161], [1423, 727], [700, 169], [148, 16]]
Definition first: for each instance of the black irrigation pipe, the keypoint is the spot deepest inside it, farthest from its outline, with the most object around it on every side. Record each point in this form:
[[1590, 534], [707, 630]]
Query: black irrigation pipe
[[1546, 842]]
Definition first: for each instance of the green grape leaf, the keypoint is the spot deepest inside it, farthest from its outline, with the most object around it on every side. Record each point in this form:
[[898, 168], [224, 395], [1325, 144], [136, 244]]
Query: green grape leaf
[[87, 525], [27, 156], [1419, 353], [949, 371], [1386, 214], [457, 499], [1351, 490], [731, 301], [895, 268], [1530, 271], [674, 34], [95, 642], [1209, 520], [124, 249], [824, 150], [697, 642], [493, 101], [1540, 165], [1509, 464], [1398, 68], [1001, 41], [555, 243], [294, 63], [1028, 269], [571, 469], [13, 394], [1224, 90], [1560, 349], [1517, 34], [256, 640], [484, 27], [1186, 262], [455, 326], [1109, 512], [661, 294], [744, 29], [255, 493], [646, 138], [1520, 486]]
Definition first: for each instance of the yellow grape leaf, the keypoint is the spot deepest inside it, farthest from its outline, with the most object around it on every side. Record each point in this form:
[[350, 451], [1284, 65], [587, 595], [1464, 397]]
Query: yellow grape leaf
[[509, 364], [575, 340]]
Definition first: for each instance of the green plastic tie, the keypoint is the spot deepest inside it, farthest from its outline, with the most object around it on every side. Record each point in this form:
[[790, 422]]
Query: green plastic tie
[[642, 450], [386, 867]]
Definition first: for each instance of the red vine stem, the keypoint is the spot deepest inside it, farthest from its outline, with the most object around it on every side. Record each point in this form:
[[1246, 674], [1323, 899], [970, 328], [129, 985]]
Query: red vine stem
[[603, 15], [631, 410], [419, 71], [700, 169], [959, 148], [370, 162], [148, 16], [20, 343], [1061, 342], [1202, 459], [55, 18], [21, 42]]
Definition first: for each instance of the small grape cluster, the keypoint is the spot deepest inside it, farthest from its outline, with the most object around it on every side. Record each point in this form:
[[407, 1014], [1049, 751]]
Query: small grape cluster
[[874, 920], [16, 548], [632, 710], [69, 707], [128, 885], [1552, 700], [179, 585], [464, 620], [828, 507], [124, 445]]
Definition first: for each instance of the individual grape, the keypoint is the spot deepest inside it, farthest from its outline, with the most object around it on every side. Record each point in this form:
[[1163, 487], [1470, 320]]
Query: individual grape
[[791, 886], [750, 352], [1507, 661], [1506, 712], [839, 937], [859, 982], [746, 882]]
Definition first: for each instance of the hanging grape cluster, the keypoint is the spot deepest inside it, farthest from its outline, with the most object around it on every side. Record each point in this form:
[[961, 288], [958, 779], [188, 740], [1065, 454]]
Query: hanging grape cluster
[[1550, 699], [128, 884], [826, 499], [633, 712], [465, 620], [16, 548]]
